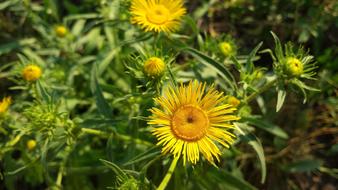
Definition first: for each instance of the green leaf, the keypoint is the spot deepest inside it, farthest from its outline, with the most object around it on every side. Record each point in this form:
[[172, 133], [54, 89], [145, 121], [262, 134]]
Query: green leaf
[[223, 176], [121, 175], [42, 92], [304, 166], [52, 8], [102, 105], [78, 27], [302, 87], [16, 44], [257, 146], [249, 64], [144, 156], [220, 68], [278, 48], [192, 23], [6, 4], [107, 60], [33, 56], [267, 126], [281, 94]]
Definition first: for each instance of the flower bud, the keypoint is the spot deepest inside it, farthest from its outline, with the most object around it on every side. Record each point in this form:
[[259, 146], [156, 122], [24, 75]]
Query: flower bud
[[4, 104], [31, 73], [31, 144], [294, 67], [226, 48], [233, 101], [154, 67], [61, 31]]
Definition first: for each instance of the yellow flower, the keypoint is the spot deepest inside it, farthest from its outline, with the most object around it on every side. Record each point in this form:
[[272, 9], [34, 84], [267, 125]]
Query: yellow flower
[[4, 104], [154, 66], [31, 144], [233, 101], [31, 73], [294, 66], [61, 31], [157, 15], [191, 120], [226, 48]]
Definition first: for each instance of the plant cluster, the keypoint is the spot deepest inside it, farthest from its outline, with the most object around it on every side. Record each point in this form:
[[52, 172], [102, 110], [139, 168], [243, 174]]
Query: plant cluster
[[135, 91]]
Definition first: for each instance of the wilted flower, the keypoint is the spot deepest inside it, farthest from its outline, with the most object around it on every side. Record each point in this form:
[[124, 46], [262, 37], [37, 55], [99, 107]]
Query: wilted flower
[[157, 15], [31, 73]]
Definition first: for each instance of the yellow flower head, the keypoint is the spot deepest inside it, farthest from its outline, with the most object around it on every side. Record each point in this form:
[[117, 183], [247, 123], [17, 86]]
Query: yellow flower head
[[233, 101], [226, 48], [294, 66], [4, 104], [61, 31], [31, 73], [154, 67], [191, 120], [157, 15], [31, 144]]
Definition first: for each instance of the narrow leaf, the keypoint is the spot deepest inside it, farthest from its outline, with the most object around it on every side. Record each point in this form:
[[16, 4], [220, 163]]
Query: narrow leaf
[[257, 146], [220, 68], [102, 105], [281, 94]]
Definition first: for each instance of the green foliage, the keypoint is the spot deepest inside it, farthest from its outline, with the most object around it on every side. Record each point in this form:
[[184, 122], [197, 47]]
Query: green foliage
[[88, 112]]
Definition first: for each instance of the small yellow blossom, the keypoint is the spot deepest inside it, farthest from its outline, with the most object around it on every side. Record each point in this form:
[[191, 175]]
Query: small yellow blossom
[[31, 144], [294, 66], [157, 15], [31, 73], [4, 104], [233, 101], [226, 48], [61, 31], [154, 67]]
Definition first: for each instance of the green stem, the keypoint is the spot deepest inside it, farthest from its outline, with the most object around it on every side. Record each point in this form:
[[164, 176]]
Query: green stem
[[167, 177], [118, 136], [59, 176], [261, 90]]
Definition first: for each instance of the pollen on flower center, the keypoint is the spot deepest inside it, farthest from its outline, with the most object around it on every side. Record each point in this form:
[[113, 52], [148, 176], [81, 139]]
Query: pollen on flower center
[[158, 15], [189, 123]]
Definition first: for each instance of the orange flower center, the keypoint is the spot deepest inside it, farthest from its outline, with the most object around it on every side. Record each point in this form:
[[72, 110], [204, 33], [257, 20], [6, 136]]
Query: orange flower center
[[189, 123], [158, 15]]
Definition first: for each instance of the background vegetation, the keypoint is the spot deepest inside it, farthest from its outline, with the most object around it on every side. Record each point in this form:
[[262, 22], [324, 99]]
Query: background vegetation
[[87, 112]]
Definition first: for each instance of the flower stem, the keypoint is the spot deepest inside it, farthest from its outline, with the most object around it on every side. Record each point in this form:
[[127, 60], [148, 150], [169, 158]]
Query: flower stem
[[261, 90], [167, 177], [118, 136]]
